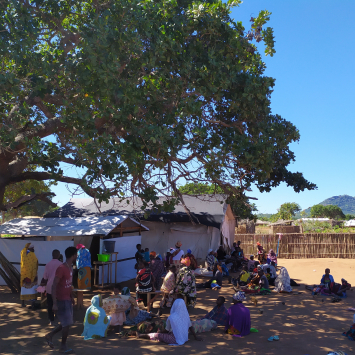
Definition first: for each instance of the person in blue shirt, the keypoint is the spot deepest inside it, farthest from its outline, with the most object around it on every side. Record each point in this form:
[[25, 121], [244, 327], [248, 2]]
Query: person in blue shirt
[[327, 279], [146, 255]]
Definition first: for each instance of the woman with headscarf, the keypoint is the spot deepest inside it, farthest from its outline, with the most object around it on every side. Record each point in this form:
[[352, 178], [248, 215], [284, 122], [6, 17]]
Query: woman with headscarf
[[211, 260], [83, 264], [193, 261], [157, 268], [238, 318], [272, 256], [177, 327], [261, 253], [117, 304], [186, 282], [282, 282], [168, 288], [95, 322], [29, 268]]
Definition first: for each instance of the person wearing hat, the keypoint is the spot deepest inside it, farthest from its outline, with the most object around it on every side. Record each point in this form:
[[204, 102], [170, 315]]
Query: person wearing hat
[[178, 253], [29, 268], [238, 317]]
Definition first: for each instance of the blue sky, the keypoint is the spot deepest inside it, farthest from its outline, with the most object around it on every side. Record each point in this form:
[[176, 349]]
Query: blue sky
[[315, 77]]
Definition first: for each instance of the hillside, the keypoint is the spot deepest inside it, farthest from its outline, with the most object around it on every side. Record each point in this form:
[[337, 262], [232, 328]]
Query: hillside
[[345, 202]]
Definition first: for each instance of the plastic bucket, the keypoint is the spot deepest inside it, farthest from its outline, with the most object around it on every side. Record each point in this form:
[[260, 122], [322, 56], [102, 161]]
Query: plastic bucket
[[109, 246]]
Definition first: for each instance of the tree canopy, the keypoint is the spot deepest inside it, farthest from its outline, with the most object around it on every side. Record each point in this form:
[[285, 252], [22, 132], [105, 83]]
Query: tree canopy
[[240, 205], [328, 211], [136, 95]]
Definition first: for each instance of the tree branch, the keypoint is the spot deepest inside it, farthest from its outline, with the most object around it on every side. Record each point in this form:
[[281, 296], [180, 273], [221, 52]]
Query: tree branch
[[42, 175], [27, 198]]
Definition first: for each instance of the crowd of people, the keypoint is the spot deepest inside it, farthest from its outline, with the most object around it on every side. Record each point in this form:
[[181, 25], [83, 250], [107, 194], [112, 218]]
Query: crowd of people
[[173, 280]]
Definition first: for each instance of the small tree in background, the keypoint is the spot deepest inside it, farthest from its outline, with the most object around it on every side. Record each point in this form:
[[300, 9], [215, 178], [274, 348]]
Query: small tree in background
[[328, 211], [286, 211]]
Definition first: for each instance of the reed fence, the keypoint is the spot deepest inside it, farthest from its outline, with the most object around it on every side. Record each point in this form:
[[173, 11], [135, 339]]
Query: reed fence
[[301, 245]]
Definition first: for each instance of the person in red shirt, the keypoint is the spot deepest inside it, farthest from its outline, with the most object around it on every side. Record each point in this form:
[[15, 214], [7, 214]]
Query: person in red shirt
[[63, 299]]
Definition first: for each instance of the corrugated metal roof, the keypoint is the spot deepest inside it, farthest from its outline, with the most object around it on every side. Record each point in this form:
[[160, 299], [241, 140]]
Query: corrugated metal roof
[[350, 223], [205, 209], [62, 227]]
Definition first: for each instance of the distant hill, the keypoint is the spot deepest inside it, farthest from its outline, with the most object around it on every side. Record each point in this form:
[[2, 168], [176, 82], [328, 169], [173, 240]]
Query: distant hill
[[345, 202]]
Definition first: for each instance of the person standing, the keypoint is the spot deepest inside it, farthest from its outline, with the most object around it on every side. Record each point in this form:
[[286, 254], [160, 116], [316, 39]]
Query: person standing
[[83, 264], [178, 253], [29, 279], [63, 299], [48, 278]]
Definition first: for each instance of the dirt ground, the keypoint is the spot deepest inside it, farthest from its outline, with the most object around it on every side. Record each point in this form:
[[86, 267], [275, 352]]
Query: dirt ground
[[305, 325]]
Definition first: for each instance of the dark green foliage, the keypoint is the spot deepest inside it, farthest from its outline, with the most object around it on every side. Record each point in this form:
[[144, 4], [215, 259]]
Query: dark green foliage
[[137, 95]]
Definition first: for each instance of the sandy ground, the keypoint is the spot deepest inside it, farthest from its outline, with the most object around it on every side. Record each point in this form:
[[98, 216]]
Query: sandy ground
[[305, 325]]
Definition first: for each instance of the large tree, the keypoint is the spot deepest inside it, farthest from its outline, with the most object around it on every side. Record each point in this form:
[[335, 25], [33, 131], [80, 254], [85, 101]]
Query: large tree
[[137, 95]]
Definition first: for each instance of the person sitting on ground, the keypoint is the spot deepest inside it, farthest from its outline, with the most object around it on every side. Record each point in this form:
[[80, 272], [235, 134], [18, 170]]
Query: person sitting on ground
[[255, 280], [350, 334], [144, 284], [117, 304], [216, 281], [96, 321], [264, 283], [168, 288], [238, 317], [177, 327], [218, 313], [272, 272], [272, 256], [243, 278], [283, 282], [327, 280], [256, 266], [221, 254], [211, 260], [342, 288], [233, 247], [157, 268], [251, 263]]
